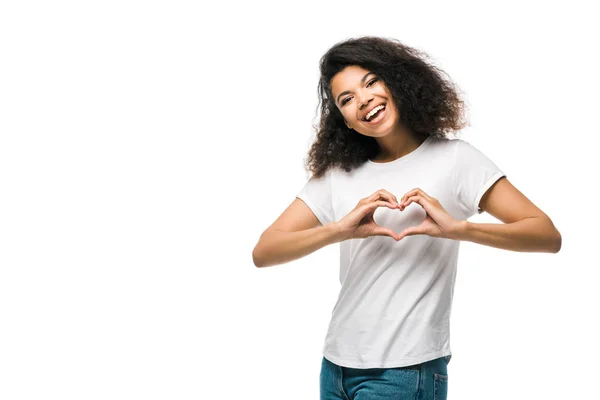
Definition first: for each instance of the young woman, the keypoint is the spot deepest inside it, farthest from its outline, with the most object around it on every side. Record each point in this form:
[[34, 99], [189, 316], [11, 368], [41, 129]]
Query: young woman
[[395, 191]]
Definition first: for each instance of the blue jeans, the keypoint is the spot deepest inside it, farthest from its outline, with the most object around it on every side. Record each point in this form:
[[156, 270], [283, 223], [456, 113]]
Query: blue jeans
[[427, 381]]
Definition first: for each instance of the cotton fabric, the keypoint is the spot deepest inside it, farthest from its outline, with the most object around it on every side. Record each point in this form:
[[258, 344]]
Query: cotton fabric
[[395, 299]]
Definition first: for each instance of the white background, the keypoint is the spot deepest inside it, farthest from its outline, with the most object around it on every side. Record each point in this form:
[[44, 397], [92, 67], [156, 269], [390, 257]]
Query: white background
[[145, 146]]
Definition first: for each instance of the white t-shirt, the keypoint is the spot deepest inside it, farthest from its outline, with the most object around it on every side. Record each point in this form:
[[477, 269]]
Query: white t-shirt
[[393, 309]]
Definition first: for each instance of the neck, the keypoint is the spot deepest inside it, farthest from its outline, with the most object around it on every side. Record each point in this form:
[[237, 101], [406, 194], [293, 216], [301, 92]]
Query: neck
[[397, 144]]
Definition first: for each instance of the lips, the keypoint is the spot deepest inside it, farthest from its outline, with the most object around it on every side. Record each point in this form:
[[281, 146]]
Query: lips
[[378, 118], [371, 108]]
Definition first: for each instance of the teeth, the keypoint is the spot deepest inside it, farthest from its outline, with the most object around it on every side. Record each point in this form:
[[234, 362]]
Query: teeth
[[373, 111]]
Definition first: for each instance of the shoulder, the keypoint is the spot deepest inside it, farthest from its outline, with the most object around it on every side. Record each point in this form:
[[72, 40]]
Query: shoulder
[[445, 143], [443, 147], [461, 149]]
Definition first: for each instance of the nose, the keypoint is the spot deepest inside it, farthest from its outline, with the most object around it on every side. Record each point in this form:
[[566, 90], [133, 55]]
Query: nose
[[364, 100]]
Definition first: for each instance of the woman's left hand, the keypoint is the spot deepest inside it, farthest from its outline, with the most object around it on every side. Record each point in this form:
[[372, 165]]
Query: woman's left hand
[[437, 222]]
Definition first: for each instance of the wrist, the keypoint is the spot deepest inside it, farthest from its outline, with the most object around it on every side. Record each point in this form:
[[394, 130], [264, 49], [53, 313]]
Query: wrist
[[462, 230], [337, 232]]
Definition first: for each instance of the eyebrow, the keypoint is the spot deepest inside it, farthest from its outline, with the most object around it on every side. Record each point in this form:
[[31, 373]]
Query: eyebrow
[[347, 91]]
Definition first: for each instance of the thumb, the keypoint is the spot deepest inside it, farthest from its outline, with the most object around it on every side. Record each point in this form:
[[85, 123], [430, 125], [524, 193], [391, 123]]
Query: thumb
[[412, 230], [379, 231]]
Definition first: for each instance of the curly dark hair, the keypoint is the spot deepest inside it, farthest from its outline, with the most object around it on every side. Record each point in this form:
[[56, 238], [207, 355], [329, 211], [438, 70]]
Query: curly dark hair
[[426, 99]]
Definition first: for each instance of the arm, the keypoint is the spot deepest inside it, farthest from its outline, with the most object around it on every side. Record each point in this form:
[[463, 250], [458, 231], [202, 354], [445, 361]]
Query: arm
[[296, 233], [279, 247], [526, 228]]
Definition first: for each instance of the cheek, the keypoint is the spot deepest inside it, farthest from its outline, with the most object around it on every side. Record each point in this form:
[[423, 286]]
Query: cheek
[[348, 116]]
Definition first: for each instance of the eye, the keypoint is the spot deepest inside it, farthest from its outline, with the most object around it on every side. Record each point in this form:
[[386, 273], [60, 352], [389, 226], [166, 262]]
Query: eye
[[372, 81], [368, 84]]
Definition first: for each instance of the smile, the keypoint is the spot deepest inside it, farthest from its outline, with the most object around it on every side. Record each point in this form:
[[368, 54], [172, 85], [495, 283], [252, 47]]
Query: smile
[[378, 117]]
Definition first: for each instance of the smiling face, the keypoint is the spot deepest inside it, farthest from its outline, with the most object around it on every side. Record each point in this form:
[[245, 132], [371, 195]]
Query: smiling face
[[357, 92]]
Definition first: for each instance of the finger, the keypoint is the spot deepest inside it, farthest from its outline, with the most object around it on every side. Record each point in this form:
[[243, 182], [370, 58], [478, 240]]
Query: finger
[[410, 231], [391, 195], [385, 195], [419, 200], [415, 191], [412, 199], [385, 232], [379, 203], [369, 208]]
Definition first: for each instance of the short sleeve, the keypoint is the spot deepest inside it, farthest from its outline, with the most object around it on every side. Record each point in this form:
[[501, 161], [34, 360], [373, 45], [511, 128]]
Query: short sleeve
[[316, 194], [474, 174]]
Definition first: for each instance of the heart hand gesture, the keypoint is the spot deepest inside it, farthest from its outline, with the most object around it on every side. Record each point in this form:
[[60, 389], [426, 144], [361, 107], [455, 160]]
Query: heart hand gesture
[[359, 222], [437, 222]]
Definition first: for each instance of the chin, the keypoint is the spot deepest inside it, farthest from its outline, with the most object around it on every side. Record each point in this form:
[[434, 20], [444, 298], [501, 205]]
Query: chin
[[375, 134], [382, 131]]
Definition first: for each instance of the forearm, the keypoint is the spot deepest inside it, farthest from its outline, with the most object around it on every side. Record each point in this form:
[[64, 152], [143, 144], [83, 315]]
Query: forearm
[[535, 234], [279, 247]]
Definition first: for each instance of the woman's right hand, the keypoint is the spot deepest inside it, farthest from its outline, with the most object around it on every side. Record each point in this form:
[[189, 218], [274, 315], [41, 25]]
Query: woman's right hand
[[359, 223]]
